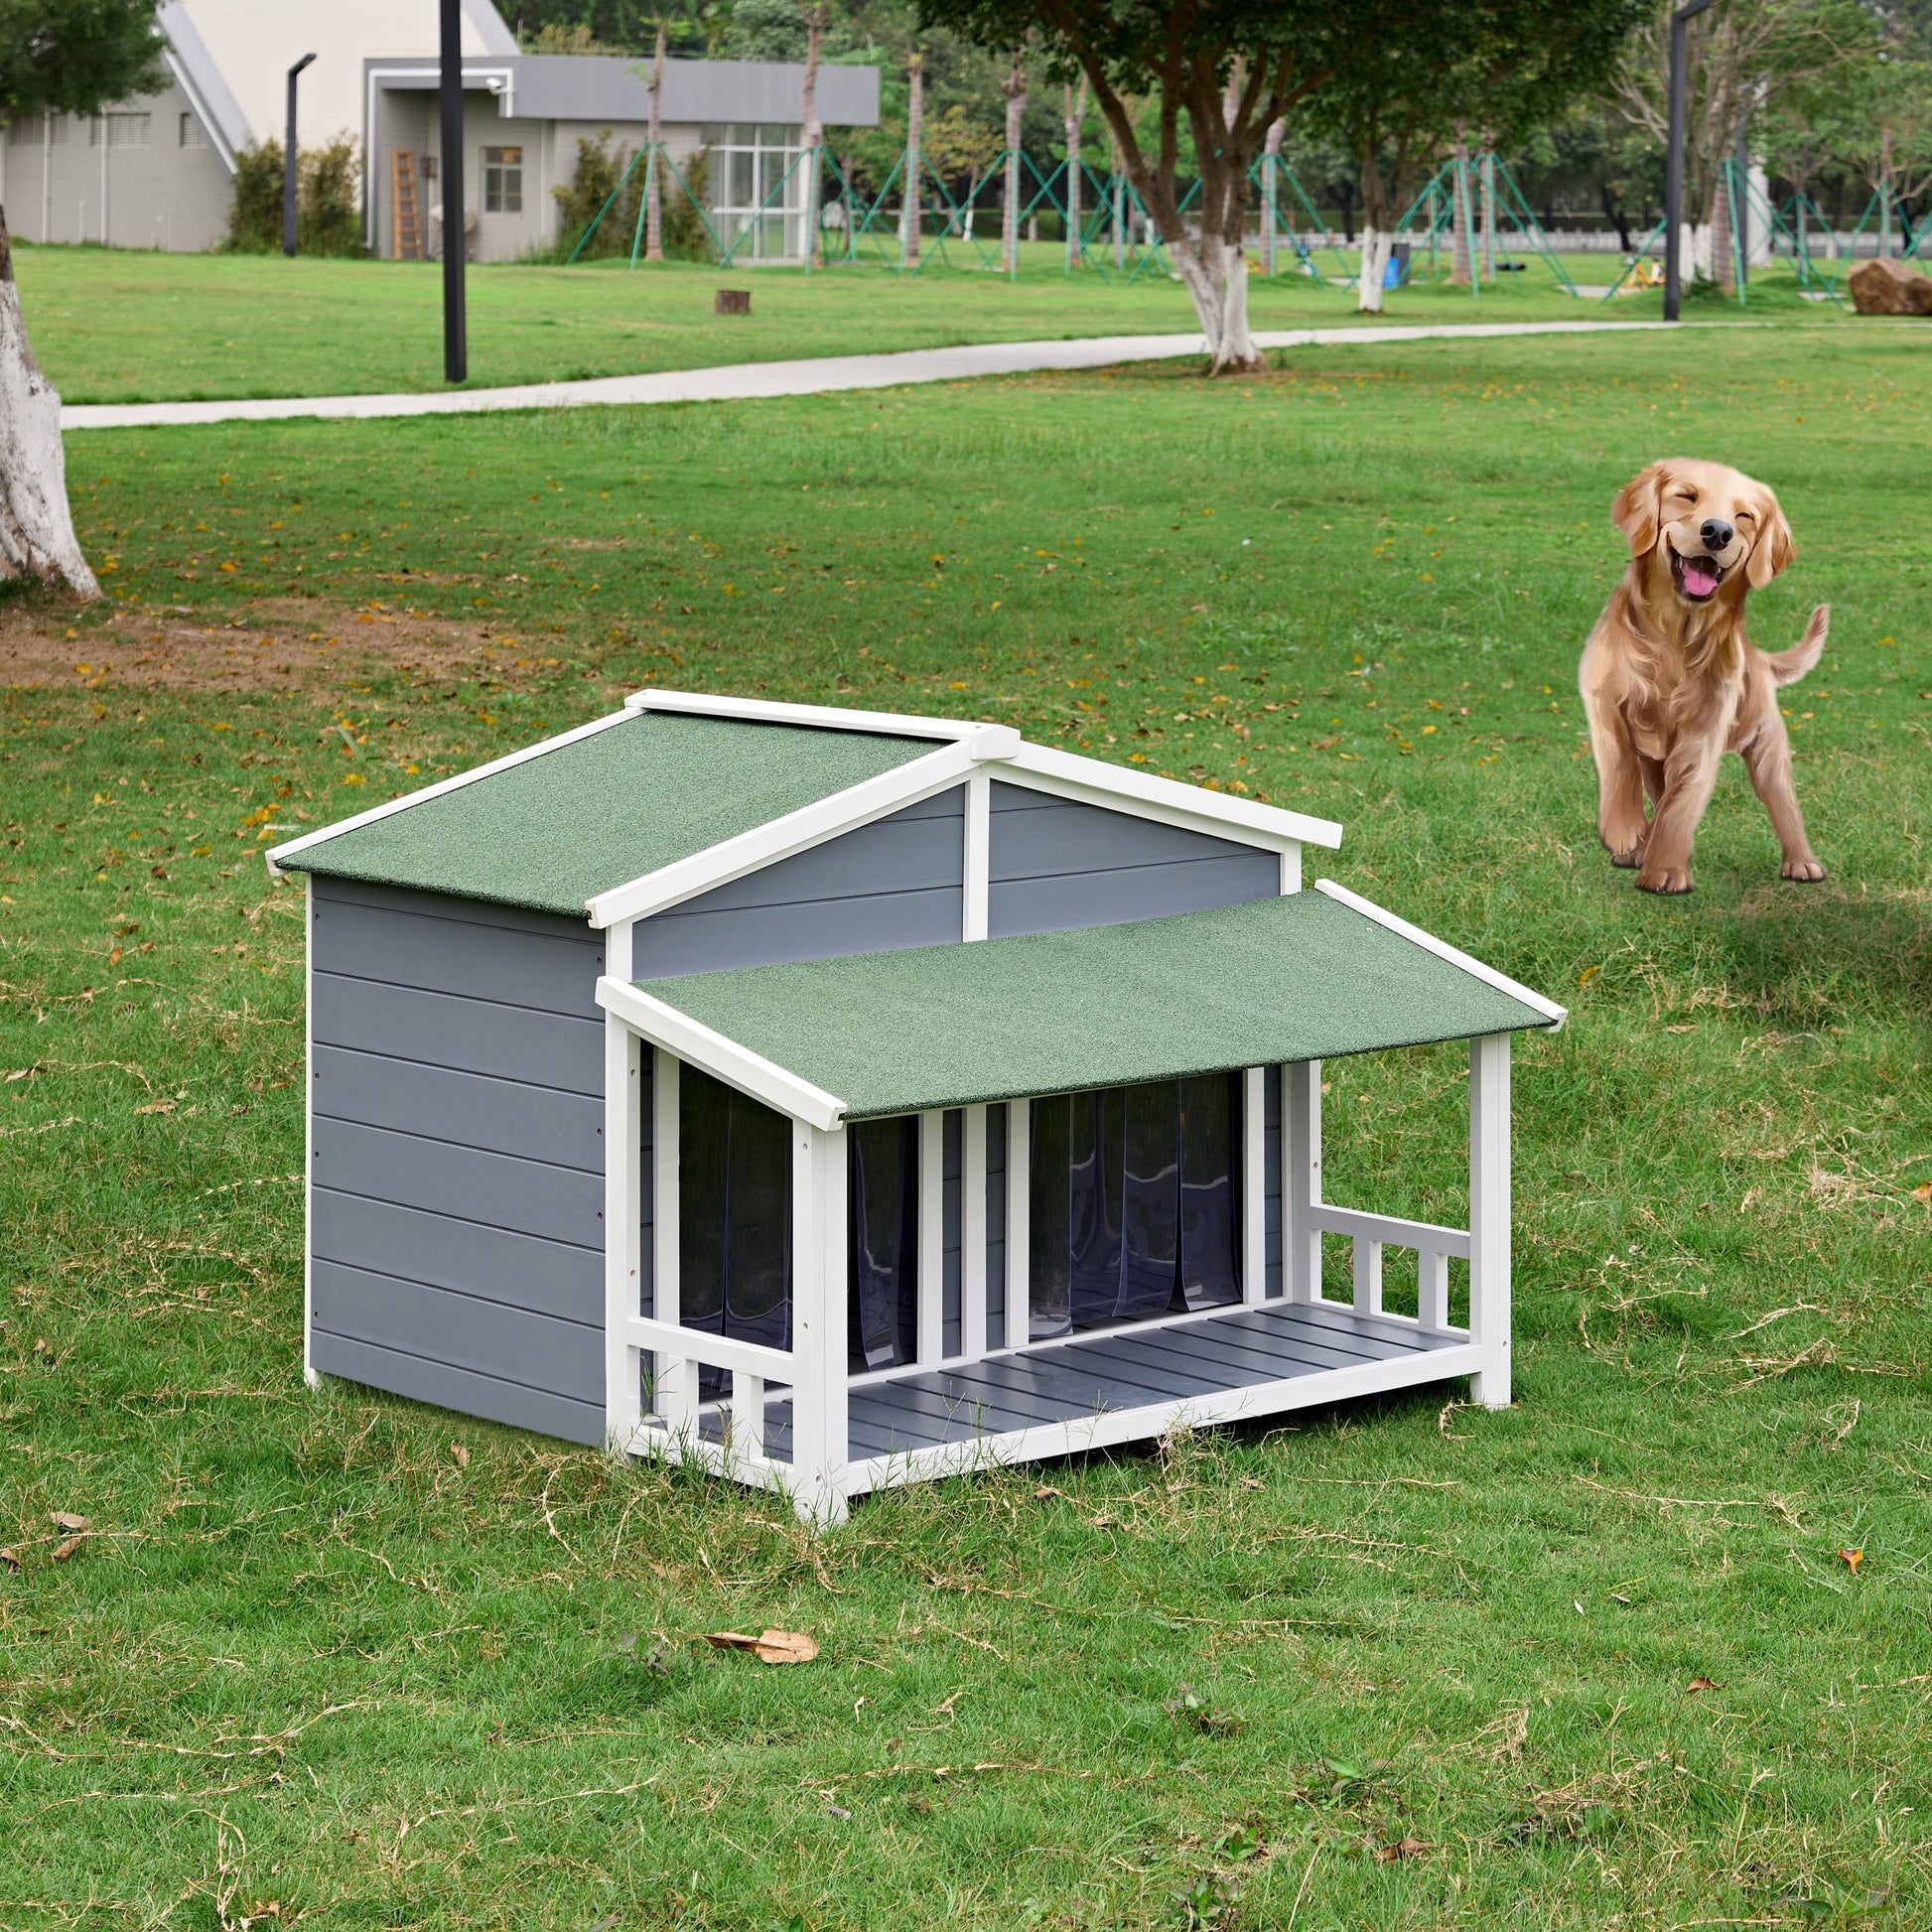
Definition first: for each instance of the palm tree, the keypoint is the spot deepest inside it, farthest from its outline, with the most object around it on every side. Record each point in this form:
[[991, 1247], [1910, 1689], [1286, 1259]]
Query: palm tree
[[677, 20]]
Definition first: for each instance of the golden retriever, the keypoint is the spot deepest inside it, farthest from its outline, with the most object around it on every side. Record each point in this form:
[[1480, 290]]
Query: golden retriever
[[1671, 682]]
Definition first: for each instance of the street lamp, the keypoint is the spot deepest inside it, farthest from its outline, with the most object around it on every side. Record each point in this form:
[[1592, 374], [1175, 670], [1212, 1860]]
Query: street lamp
[[288, 164], [1674, 159], [456, 352]]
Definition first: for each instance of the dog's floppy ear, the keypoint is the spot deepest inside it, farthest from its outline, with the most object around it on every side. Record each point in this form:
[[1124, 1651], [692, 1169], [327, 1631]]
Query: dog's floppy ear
[[1774, 549], [1635, 511]]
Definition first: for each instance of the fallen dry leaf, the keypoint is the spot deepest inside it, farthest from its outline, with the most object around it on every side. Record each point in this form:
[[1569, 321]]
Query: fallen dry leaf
[[8, 1558], [1044, 1490], [62, 1551], [157, 1107], [461, 1453], [65, 1519], [773, 1647], [1402, 1848], [1851, 1559], [1923, 1191], [1699, 1684]]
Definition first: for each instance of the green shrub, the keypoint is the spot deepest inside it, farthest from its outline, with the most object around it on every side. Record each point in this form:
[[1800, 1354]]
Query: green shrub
[[328, 221], [595, 178]]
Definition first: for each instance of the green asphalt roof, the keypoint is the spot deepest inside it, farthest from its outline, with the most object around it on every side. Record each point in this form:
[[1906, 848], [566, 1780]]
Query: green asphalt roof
[[1297, 978], [553, 832]]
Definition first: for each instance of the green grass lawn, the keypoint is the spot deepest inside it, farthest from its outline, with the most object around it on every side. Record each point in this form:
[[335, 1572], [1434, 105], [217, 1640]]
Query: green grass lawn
[[1598, 1656], [118, 325]]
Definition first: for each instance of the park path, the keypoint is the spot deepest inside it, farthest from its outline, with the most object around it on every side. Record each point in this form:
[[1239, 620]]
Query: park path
[[740, 381]]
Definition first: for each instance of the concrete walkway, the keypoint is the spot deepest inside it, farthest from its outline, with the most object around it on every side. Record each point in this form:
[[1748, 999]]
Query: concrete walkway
[[741, 381]]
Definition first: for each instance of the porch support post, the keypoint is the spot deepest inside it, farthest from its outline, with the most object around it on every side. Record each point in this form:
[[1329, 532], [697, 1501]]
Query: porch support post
[[676, 1379], [1020, 1221], [622, 1202], [819, 1430], [972, 1234], [1301, 1179], [1489, 1217], [1254, 1184]]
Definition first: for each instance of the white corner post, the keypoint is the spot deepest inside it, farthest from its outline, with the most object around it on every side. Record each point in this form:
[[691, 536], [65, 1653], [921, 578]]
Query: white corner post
[[930, 1292], [819, 1397], [1254, 1184], [1291, 867], [624, 1123], [676, 1377], [310, 1373], [1489, 1217], [1301, 1179], [1020, 1222]]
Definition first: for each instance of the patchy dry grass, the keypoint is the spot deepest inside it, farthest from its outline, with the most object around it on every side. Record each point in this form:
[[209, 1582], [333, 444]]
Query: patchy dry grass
[[1604, 1660]]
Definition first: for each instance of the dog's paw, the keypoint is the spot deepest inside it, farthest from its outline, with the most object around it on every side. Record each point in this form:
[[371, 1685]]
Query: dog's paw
[[1626, 843], [1629, 860], [1667, 880], [1803, 871]]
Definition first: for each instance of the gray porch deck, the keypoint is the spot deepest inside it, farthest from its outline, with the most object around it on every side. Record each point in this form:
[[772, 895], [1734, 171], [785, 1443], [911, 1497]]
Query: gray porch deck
[[1113, 1372]]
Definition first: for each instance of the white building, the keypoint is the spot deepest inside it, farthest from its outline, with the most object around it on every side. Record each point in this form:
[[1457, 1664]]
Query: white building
[[157, 172]]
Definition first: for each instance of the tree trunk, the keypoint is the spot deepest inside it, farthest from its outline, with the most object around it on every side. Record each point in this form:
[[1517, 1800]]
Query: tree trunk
[[1613, 213], [1015, 86], [1377, 245], [1488, 206], [1722, 269], [1459, 213], [1271, 179], [655, 160], [814, 134], [1119, 212], [1075, 107], [37, 537], [908, 241]]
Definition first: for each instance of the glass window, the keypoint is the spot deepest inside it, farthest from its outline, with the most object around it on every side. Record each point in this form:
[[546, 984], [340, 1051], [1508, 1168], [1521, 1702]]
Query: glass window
[[734, 1217], [883, 1225], [193, 133], [503, 173], [760, 190], [1134, 1210], [127, 130]]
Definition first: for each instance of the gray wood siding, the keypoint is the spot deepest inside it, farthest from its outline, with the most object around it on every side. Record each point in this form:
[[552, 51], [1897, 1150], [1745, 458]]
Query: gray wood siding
[[1057, 864], [456, 1101], [898, 882]]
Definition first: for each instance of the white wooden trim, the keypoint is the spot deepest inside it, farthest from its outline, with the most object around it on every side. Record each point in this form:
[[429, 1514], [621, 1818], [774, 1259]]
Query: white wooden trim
[[276, 854], [819, 1429], [1428, 941], [310, 1373], [1019, 1226], [1300, 1180], [972, 1234], [1431, 1289], [978, 855], [1253, 1184], [1194, 806], [737, 1066], [769, 711], [931, 1292], [1291, 868], [1115, 1425], [623, 1205], [673, 1339], [677, 1387], [792, 833], [1489, 1216], [1367, 1258], [1390, 1230], [747, 1415]]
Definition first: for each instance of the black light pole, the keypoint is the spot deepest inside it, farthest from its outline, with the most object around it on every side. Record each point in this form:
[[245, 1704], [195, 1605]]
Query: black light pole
[[456, 355], [288, 164], [1674, 158]]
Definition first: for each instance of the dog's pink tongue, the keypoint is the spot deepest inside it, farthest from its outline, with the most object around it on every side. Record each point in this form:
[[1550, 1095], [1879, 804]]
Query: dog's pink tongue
[[1700, 580]]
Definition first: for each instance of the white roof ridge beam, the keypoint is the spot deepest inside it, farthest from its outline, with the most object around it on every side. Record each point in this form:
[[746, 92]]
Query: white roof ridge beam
[[276, 854], [677, 1033], [1170, 796], [797, 831], [770, 710], [1444, 950]]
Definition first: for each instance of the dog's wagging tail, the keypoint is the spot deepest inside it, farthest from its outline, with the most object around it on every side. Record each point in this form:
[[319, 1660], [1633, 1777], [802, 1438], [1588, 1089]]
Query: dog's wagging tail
[[1670, 680]]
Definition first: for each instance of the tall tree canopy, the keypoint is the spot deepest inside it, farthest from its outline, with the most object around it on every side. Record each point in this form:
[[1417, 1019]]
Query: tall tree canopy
[[73, 57]]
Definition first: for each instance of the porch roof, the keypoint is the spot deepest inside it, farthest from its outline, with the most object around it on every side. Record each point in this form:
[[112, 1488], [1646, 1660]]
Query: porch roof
[[1309, 976]]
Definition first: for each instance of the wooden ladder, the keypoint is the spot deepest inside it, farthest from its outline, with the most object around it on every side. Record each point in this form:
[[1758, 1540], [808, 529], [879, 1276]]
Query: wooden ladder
[[406, 245]]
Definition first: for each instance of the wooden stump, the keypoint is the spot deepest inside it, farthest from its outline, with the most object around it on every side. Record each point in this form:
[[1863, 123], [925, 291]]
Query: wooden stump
[[731, 302]]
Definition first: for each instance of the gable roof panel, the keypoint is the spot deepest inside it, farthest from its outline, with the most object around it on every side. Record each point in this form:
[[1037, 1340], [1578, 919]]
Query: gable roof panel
[[1307, 975], [553, 831]]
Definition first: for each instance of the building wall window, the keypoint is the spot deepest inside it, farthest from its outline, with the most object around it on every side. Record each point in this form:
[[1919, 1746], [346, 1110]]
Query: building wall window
[[25, 133], [193, 133], [503, 173], [758, 185], [125, 130]]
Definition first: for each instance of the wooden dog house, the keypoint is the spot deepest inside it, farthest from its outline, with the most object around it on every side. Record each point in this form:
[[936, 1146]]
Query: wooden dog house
[[840, 1099]]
